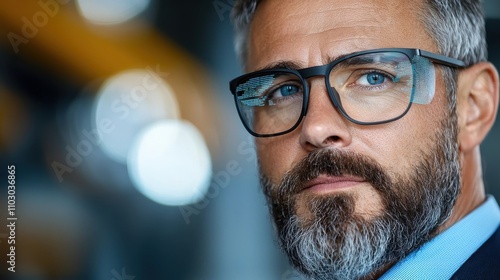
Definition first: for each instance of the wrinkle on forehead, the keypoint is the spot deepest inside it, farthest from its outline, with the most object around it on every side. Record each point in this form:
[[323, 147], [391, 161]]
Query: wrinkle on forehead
[[322, 20], [279, 29]]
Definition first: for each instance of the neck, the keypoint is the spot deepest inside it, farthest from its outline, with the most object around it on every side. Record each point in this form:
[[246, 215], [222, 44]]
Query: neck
[[472, 188]]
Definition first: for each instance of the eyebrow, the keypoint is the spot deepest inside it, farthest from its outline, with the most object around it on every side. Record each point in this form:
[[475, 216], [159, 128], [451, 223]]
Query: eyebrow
[[289, 64], [283, 64], [360, 60], [330, 59]]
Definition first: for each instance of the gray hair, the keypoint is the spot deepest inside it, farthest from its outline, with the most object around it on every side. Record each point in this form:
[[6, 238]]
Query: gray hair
[[457, 27]]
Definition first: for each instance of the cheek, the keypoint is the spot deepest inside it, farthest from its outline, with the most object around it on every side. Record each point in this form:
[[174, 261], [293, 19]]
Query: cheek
[[276, 156], [398, 145], [392, 149]]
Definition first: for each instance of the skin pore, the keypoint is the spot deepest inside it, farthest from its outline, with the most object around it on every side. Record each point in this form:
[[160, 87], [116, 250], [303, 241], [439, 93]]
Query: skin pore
[[312, 33]]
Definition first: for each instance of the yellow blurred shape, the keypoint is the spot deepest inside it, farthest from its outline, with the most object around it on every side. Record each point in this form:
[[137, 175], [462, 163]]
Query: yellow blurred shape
[[52, 34]]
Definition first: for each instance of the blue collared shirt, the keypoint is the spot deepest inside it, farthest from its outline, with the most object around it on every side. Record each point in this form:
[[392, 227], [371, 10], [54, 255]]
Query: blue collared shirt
[[442, 256]]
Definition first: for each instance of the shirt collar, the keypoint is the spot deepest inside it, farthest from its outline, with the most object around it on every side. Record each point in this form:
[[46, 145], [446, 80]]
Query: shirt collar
[[444, 254]]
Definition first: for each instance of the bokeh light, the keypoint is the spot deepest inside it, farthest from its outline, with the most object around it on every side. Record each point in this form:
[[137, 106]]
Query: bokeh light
[[106, 12], [127, 103], [170, 163]]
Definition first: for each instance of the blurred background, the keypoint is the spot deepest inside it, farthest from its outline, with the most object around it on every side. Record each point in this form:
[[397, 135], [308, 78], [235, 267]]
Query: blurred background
[[130, 159]]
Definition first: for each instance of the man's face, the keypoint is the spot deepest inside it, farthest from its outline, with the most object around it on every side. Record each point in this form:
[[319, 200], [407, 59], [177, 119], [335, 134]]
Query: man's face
[[347, 197]]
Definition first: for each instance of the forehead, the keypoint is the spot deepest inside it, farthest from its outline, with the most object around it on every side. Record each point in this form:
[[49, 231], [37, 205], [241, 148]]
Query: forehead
[[311, 32]]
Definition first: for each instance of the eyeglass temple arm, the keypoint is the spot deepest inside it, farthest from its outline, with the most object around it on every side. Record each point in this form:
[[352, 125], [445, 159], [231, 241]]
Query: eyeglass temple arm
[[441, 59]]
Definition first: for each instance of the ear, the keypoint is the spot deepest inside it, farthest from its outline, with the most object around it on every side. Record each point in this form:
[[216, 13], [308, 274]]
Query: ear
[[477, 104]]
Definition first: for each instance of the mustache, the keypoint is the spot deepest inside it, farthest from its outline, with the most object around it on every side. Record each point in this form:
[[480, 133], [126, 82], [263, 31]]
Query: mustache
[[336, 163]]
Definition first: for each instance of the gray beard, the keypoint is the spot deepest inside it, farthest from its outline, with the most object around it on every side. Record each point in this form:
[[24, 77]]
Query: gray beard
[[335, 242]]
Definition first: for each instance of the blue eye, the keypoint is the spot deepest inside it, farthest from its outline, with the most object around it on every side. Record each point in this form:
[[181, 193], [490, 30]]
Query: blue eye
[[289, 90], [286, 93], [375, 78]]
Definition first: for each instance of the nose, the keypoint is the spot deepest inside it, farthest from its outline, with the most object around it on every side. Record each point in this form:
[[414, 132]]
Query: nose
[[323, 126]]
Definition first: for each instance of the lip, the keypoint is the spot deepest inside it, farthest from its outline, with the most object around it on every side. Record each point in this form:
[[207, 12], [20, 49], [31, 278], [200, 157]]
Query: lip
[[324, 183]]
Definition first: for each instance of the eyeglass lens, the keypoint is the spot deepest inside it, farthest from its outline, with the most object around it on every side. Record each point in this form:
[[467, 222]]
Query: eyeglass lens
[[369, 88]]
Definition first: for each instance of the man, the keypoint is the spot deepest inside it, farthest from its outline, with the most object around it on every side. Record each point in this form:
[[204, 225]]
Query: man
[[368, 117]]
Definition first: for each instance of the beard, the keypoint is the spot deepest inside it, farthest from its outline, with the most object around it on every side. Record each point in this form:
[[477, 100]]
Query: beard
[[332, 241]]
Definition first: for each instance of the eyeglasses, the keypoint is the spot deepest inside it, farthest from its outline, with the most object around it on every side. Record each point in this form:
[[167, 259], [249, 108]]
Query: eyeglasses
[[368, 88]]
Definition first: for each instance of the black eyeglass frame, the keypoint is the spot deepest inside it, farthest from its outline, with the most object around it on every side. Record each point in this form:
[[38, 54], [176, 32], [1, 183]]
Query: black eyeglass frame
[[324, 70]]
